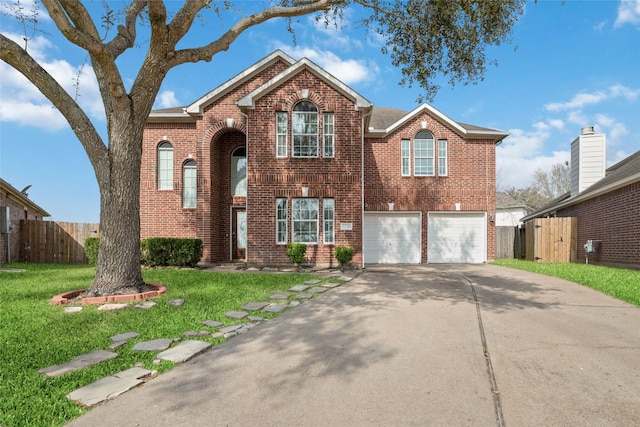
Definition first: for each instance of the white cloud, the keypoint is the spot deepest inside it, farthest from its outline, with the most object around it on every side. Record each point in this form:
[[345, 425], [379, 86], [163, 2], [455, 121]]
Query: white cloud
[[24, 104], [585, 99], [628, 13], [614, 129], [166, 99]]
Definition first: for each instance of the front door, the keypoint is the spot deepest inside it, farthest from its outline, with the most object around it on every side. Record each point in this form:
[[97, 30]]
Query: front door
[[239, 234]]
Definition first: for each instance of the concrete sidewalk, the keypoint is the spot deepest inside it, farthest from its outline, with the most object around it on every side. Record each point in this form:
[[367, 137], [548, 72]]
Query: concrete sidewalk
[[402, 345]]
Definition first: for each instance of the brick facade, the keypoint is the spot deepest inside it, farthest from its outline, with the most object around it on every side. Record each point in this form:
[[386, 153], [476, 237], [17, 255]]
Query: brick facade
[[244, 110]]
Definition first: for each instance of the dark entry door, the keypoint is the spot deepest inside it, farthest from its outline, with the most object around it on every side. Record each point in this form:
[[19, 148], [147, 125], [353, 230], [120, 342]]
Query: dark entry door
[[239, 236]]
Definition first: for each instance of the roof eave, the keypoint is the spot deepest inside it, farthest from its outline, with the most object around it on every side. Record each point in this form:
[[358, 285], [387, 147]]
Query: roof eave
[[171, 118]]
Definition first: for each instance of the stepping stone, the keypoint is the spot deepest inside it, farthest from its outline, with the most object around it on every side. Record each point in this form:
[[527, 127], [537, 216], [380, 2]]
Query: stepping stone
[[299, 288], [253, 269], [184, 351], [345, 278], [312, 282], [255, 306], [279, 295], [231, 328], [236, 314], [303, 296], [145, 305], [176, 302], [331, 285], [256, 318], [112, 307], [117, 344], [78, 363], [125, 336], [72, 309], [136, 373], [104, 389], [318, 290], [211, 323], [153, 345], [294, 303], [275, 308], [196, 333]]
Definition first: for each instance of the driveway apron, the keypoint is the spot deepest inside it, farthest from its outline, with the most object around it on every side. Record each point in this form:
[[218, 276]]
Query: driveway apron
[[412, 345]]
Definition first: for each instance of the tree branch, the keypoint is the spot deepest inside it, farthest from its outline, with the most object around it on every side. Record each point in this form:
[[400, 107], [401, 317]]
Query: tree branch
[[126, 36], [18, 58], [75, 23]]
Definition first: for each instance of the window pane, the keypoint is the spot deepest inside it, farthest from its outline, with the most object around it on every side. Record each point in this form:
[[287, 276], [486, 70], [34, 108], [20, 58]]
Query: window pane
[[189, 185], [165, 166], [281, 134], [405, 153], [328, 150], [442, 157], [281, 221], [238, 176], [328, 217], [304, 128], [423, 157], [305, 220]]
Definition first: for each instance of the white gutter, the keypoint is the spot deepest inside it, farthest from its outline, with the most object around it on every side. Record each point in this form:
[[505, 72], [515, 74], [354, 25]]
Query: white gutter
[[364, 116]]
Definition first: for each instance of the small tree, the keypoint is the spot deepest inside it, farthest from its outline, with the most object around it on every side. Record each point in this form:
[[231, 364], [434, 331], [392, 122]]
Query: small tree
[[344, 255], [295, 252]]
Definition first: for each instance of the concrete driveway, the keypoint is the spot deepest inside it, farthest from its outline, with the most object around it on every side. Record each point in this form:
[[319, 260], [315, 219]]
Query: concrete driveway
[[413, 345]]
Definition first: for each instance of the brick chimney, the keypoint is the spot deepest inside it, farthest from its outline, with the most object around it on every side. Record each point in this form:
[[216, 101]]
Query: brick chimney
[[588, 159]]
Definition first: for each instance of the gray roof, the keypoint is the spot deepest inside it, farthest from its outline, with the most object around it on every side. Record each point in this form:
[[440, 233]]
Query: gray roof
[[505, 201], [383, 117]]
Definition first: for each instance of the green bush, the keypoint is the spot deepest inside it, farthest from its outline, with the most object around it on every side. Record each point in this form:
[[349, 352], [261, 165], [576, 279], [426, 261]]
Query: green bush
[[91, 249], [165, 251], [344, 254], [296, 251]]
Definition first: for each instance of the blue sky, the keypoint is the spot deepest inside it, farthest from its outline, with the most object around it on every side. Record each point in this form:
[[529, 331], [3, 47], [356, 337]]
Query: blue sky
[[569, 64]]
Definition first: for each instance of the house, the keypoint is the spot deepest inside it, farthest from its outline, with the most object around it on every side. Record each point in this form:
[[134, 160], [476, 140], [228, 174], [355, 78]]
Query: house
[[509, 211], [285, 152], [605, 201], [14, 206]]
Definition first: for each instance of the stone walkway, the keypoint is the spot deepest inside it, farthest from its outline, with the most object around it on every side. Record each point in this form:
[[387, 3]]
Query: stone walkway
[[175, 349]]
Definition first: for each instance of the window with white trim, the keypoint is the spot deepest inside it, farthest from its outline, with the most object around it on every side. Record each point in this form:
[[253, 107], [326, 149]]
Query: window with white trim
[[328, 219], [304, 129], [405, 156], [281, 221], [304, 221], [165, 166], [189, 184], [327, 131], [423, 154], [239, 172], [281, 134], [442, 158]]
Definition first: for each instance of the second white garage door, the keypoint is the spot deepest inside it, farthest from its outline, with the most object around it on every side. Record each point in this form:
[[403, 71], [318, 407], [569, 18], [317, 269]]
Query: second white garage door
[[392, 238], [457, 237]]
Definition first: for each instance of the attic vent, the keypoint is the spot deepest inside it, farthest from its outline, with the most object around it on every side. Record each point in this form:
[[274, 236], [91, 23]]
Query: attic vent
[[587, 130]]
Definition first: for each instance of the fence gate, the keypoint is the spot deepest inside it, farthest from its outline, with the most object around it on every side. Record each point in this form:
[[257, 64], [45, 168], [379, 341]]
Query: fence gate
[[552, 239]]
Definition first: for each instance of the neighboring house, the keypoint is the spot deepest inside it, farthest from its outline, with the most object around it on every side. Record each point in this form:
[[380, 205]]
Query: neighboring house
[[284, 152], [606, 202], [14, 206], [509, 211]]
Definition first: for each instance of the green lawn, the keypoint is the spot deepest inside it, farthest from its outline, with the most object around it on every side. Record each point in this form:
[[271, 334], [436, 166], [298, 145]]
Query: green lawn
[[35, 334], [618, 282]]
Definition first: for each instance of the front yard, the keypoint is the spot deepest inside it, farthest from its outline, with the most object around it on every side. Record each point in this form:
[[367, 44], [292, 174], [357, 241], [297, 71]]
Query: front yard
[[35, 334], [618, 282]]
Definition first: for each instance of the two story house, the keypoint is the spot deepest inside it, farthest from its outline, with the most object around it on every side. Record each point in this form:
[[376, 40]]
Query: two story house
[[285, 152]]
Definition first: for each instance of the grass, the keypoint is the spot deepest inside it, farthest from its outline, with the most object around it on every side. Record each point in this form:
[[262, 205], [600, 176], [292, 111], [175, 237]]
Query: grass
[[619, 283], [35, 334]]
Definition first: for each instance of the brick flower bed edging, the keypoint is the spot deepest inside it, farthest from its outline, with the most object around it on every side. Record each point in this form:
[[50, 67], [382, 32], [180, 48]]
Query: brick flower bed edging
[[66, 297]]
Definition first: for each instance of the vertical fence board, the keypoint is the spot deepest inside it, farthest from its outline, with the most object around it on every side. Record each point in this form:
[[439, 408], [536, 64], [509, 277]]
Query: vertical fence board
[[551, 239]]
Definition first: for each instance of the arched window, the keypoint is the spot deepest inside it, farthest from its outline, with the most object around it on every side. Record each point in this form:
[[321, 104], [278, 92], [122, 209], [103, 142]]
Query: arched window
[[189, 184], [165, 166], [304, 129], [239, 172], [423, 154]]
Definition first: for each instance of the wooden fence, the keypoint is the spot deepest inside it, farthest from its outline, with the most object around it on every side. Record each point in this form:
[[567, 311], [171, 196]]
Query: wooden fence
[[55, 242], [552, 239], [510, 242]]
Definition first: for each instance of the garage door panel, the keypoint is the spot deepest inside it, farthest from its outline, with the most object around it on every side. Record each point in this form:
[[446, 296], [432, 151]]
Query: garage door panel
[[456, 237], [392, 238]]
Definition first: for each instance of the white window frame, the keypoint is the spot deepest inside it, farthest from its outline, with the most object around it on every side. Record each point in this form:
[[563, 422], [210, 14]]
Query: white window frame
[[238, 181], [165, 166], [443, 155], [328, 140], [189, 184], [304, 221], [328, 221], [423, 155], [405, 157], [304, 131], [281, 221], [282, 123]]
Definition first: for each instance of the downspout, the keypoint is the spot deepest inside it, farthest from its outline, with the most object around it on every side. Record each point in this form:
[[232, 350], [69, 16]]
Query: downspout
[[362, 186], [246, 203]]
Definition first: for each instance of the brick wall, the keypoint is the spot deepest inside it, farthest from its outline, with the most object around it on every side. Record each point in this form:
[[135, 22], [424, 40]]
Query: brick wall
[[613, 218]]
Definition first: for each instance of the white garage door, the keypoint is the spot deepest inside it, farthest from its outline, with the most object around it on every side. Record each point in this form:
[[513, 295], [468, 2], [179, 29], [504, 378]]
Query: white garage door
[[457, 237], [392, 238]]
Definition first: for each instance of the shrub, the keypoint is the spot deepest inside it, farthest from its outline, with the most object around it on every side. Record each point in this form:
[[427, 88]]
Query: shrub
[[343, 254], [296, 251], [164, 251], [91, 249]]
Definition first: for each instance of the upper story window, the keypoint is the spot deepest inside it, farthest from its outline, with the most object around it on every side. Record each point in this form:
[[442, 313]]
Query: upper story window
[[189, 184], [423, 154], [165, 166], [239, 172], [442, 158], [304, 129], [328, 131], [281, 134], [405, 159]]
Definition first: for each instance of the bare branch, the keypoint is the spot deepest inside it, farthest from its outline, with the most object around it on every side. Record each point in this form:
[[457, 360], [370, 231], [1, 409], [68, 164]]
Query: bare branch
[[126, 36], [71, 19]]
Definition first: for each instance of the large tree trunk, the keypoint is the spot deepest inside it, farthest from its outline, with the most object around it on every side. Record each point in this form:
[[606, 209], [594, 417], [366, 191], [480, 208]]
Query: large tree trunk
[[118, 268]]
